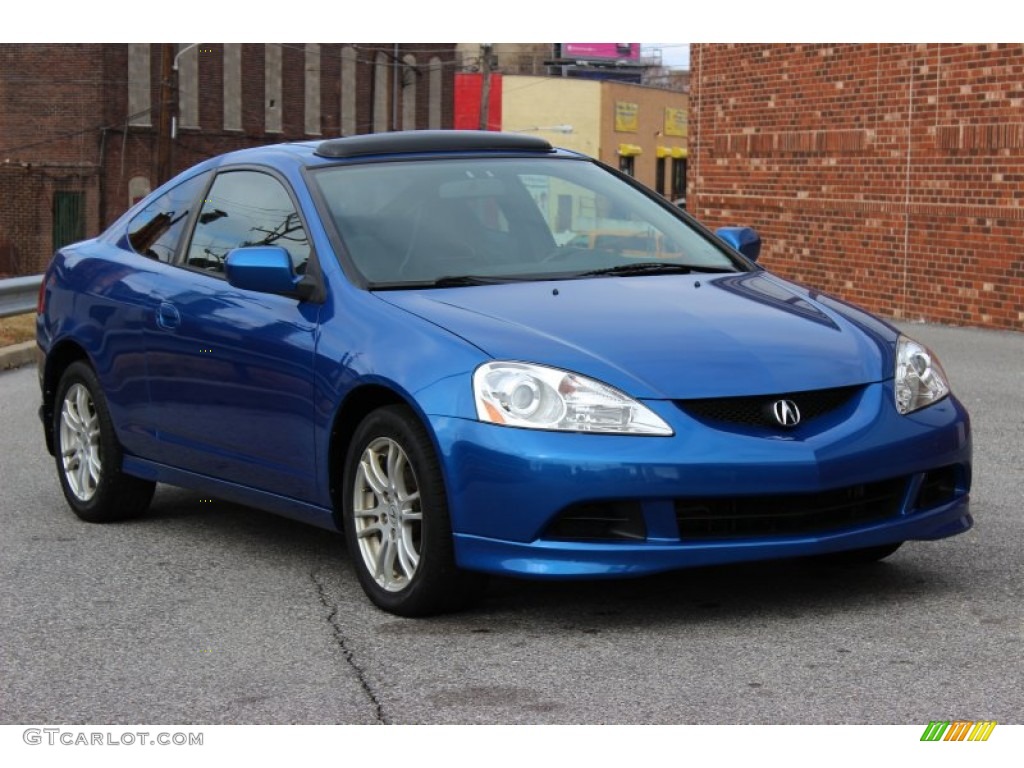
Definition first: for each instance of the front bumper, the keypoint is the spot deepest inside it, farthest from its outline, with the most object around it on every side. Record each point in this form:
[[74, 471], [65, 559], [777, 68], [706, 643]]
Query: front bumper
[[507, 487]]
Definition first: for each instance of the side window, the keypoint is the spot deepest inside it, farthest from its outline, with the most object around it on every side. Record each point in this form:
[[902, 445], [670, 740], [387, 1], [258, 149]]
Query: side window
[[246, 208], [156, 230]]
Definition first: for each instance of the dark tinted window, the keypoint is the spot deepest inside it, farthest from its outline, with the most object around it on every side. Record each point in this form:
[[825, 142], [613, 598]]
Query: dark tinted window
[[246, 208], [156, 231]]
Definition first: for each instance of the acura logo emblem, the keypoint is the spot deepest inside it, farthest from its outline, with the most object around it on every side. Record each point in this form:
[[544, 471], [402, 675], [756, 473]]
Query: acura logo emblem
[[786, 413]]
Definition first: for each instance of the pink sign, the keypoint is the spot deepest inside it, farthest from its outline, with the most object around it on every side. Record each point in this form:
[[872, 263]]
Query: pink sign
[[629, 51]]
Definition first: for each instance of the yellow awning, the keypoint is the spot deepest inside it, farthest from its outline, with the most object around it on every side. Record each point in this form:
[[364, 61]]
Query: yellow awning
[[676, 152], [630, 150]]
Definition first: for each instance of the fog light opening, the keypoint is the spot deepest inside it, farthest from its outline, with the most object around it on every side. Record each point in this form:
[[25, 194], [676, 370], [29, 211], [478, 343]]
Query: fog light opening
[[599, 521]]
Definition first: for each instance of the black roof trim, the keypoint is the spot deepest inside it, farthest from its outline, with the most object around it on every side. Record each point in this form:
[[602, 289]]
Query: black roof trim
[[400, 142]]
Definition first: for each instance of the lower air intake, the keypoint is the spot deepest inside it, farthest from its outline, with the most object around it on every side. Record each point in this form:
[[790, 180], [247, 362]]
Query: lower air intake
[[599, 521], [790, 514]]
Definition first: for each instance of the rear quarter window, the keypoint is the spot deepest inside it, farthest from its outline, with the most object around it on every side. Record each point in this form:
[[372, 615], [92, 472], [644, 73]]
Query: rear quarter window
[[156, 230]]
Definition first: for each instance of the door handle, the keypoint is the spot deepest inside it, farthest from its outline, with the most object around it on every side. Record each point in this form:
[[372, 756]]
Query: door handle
[[167, 316]]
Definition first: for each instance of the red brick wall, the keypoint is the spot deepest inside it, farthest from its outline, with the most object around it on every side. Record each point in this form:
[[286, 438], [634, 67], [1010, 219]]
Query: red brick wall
[[46, 91], [62, 125], [890, 175]]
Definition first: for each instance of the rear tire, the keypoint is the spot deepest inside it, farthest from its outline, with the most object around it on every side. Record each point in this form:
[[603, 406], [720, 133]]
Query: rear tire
[[395, 516], [88, 455]]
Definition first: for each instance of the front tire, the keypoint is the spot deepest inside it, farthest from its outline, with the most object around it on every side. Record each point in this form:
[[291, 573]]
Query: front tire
[[88, 455], [395, 516]]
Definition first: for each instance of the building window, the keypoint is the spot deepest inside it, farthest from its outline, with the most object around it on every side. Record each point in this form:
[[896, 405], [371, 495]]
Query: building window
[[139, 106], [272, 81], [348, 91], [188, 85], [138, 188], [232, 86], [380, 94], [434, 104], [627, 158], [679, 179], [68, 218], [312, 89], [410, 80], [659, 175]]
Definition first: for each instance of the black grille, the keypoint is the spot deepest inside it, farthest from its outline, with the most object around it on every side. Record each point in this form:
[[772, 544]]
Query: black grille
[[599, 521], [937, 487], [792, 514], [757, 411]]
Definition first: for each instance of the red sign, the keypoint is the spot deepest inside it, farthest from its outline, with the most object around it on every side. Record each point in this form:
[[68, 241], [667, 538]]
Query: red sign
[[468, 90]]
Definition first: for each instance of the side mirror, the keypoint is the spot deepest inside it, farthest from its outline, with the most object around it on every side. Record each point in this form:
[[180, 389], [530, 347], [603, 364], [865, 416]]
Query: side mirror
[[262, 268], [743, 239]]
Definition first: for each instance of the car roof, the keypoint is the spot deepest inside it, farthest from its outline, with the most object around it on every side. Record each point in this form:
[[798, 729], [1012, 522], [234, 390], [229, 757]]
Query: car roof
[[389, 146]]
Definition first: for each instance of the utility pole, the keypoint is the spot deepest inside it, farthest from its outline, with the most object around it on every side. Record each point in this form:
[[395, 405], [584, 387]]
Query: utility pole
[[163, 129], [485, 85]]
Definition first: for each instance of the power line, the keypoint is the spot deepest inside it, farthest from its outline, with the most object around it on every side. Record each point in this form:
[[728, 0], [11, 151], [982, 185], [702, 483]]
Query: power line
[[71, 134]]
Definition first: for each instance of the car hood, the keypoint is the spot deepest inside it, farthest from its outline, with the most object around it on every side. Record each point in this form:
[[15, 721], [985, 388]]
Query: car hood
[[668, 336]]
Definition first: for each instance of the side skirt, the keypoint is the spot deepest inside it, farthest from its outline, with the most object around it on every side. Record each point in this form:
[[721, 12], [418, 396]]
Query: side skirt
[[321, 517]]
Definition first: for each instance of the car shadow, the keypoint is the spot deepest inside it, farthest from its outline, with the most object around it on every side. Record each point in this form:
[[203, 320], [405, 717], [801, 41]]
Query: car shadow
[[780, 589], [773, 589]]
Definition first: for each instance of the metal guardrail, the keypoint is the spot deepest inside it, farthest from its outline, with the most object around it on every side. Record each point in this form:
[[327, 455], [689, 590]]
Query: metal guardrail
[[18, 295]]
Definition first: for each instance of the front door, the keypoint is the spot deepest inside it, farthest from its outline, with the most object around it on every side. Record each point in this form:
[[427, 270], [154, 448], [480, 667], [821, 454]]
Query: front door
[[231, 371]]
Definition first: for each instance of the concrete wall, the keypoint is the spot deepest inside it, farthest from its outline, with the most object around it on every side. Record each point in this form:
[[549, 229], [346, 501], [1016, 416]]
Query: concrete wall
[[532, 102]]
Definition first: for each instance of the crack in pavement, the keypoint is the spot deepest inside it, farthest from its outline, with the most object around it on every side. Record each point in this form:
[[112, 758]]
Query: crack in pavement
[[346, 652]]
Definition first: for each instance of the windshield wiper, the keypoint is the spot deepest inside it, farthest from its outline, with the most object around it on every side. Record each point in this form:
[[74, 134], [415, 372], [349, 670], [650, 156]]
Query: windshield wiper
[[454, 281], [653, 268], [640, 268]]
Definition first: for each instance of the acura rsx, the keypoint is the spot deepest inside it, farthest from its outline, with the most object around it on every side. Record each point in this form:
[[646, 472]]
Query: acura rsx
[[474, 353]]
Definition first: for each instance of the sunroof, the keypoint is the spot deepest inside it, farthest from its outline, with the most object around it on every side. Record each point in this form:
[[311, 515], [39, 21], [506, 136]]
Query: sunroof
[[401, 142]]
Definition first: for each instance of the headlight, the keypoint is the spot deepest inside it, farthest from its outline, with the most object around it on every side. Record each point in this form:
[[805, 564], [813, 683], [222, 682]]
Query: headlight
[[920, 380], [537, 397]]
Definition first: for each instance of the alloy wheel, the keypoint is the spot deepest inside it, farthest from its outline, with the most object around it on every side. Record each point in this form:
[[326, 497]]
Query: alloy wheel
[[388, 515], [80, 442]]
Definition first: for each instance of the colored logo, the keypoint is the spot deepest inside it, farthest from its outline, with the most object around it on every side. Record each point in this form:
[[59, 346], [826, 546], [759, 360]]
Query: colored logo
[[958, 730]]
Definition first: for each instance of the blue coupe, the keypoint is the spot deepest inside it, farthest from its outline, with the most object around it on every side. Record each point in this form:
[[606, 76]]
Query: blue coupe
[[473, 353]]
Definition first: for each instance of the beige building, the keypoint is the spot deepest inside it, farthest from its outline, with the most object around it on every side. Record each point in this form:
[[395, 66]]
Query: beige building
[[637, 129]]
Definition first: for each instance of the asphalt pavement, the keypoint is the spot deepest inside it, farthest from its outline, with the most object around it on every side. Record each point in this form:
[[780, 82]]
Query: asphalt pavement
[[208, 612]]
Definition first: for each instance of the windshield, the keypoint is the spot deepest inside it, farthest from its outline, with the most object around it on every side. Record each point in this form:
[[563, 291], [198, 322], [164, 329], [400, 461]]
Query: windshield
[[458, 222]]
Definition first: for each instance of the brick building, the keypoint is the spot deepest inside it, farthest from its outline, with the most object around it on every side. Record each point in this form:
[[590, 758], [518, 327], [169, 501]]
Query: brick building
[[891, 175], [79, 123]]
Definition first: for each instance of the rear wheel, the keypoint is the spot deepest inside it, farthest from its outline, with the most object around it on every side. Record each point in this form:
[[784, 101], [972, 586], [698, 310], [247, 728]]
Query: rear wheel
[[396, 518], [88, 455]]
